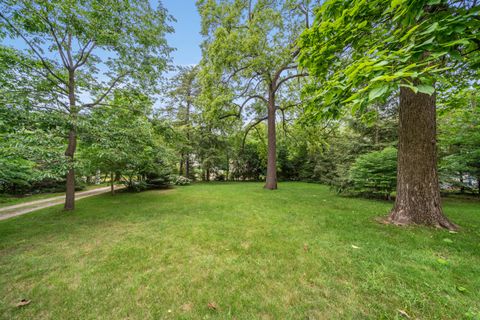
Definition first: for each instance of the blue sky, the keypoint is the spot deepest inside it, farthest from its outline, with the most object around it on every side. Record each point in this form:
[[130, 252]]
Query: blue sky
[[186, 38]]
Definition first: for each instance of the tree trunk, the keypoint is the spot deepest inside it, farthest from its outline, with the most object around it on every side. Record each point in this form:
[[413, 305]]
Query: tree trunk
[[72, 145], [69, 153], [271, 181], [180, 171], [187, 166], [112, 186], [418, 191], [462, 186], [228, 168]]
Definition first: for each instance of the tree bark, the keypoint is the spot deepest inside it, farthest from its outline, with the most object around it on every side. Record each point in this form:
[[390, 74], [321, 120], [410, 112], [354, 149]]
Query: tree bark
[[180, 171], [187, 166], [271, 181], [418, 190], [72, 145]]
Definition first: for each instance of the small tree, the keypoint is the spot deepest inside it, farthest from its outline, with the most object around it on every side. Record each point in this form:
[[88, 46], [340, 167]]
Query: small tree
[[76, 45], [374, 174]]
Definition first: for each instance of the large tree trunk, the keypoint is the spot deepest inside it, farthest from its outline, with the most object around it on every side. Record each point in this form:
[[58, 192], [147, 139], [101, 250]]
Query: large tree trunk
[[271, 181], [72, 145], [418, 191]]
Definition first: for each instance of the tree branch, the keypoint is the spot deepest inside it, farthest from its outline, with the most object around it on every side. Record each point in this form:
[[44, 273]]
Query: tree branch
[[250, 127], [45, 64], [288, 78], [84, 54], [100, 99]]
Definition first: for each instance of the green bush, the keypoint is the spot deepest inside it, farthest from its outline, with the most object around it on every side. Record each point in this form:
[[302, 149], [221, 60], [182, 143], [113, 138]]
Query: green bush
[[374, 174], [180, 180]]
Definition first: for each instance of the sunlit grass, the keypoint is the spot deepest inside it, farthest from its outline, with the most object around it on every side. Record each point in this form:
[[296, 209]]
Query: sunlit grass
[[299, 252]]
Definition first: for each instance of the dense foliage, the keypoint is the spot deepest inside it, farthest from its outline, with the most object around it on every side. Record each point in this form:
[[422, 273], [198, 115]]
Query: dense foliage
[[210, 122]]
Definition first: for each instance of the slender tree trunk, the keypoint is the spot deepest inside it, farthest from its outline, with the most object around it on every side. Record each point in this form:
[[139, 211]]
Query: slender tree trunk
[[462, 186], [271, 181], [187, 166], [418, 191], [228, 168], [207, 174], [72, 145], [180, 171], [112, 185]]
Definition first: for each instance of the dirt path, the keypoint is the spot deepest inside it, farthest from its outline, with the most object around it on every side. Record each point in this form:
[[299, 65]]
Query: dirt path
[[26, 207]]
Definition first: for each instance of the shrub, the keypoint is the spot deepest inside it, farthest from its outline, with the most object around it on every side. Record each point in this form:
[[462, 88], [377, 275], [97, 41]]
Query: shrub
[[374, 174], [136, 185], [180, 181]]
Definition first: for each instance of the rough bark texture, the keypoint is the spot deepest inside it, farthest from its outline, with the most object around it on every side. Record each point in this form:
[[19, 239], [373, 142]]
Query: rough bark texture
[[418, 191], [72, 145], [271, 181], [70, 192]]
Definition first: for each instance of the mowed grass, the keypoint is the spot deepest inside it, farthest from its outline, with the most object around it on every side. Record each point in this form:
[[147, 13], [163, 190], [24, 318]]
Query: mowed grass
[[299, 252]]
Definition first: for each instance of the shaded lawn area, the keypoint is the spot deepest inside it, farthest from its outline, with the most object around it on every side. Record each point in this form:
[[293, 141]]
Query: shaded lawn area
[[251, 253]]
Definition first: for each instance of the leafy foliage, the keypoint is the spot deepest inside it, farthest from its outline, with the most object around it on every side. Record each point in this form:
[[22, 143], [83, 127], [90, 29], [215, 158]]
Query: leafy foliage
[[374, 174], [363, 51]]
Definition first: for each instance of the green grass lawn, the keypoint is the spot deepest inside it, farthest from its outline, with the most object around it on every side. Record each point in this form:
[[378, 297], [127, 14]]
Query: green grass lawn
[[299, 252]]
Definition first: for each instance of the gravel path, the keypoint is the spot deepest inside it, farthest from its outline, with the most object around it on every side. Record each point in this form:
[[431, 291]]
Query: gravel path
[[26, 207]]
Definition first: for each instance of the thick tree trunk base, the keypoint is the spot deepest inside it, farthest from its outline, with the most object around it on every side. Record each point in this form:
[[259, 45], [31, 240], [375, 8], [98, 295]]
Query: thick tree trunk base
[[271, 185], [436, 219]]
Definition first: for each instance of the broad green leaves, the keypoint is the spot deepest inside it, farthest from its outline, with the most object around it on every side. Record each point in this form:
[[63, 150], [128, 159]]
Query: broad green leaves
[[404, 43]]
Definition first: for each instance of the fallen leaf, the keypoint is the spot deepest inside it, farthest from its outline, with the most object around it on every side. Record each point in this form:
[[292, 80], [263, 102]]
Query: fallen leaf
[[453, 232], [355, 247], [187, 307], [442, 261], [447, 240], [462, 289], [305, 247], [22, 303], [212, 306], [403, 313]]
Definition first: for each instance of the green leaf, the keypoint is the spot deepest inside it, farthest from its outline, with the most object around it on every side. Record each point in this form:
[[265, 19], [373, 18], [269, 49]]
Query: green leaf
[[425, 88], [377, 91], [462, 289], [442, 261], [430, 29], [446, 240]]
